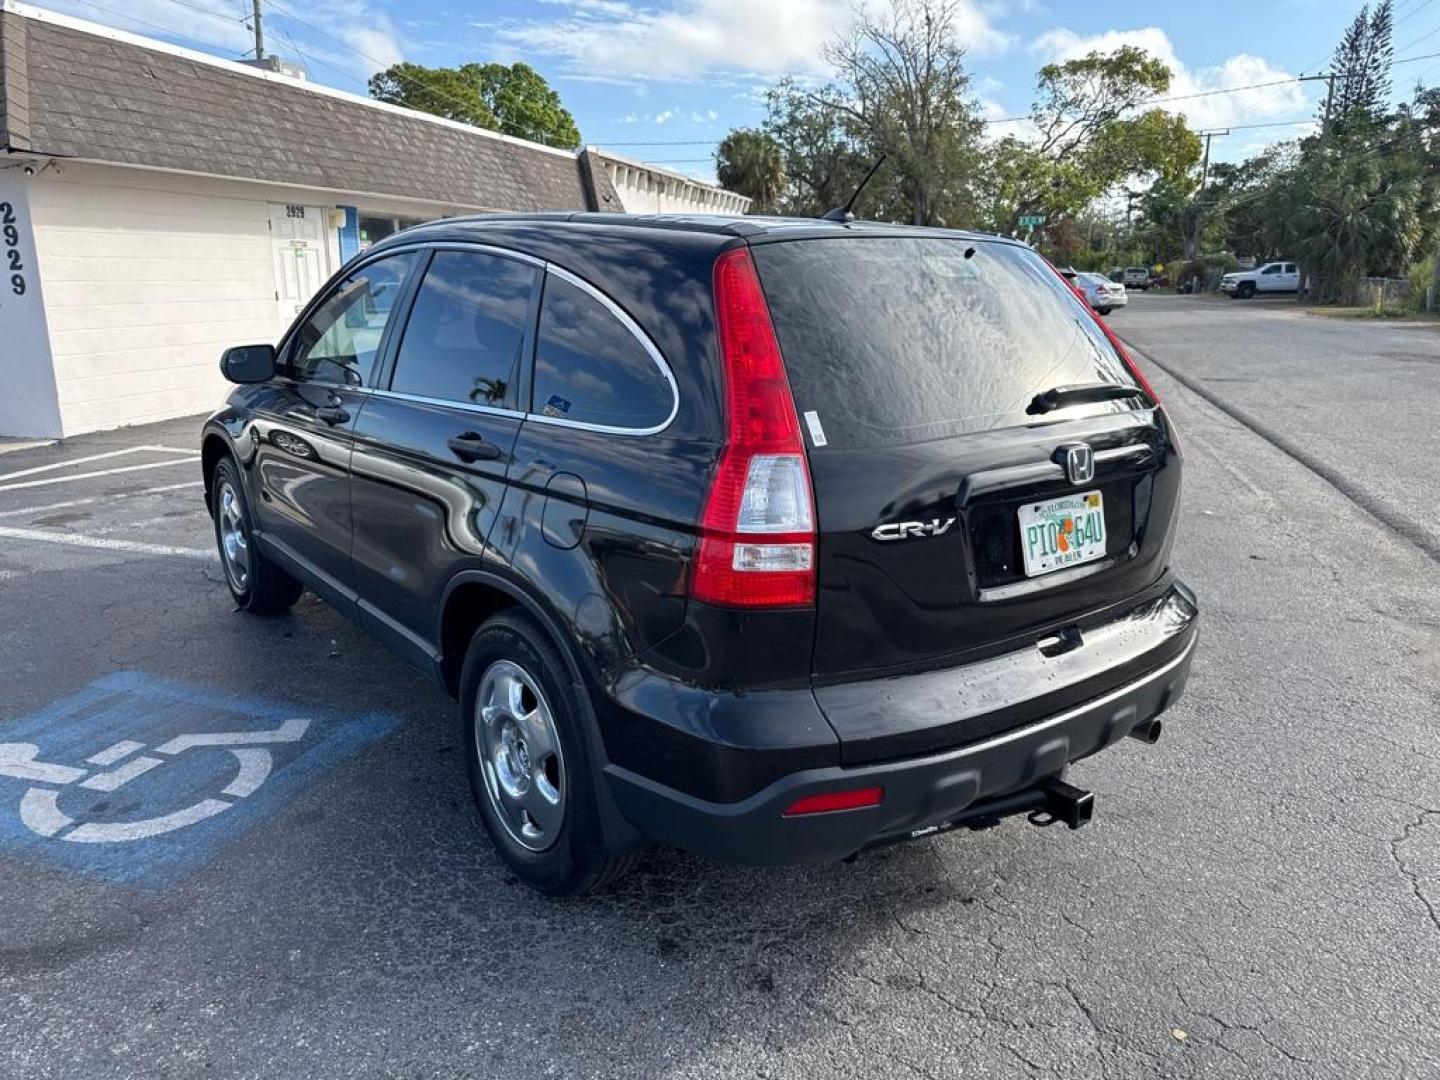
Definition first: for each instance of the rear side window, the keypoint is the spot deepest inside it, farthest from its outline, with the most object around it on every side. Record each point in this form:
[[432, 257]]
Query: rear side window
[[466, 330], [592, 367], [894, 340]]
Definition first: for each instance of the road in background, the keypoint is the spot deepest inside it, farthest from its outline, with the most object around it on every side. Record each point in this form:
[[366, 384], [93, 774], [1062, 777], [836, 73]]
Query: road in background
[[1361, 397], [1257, 896]]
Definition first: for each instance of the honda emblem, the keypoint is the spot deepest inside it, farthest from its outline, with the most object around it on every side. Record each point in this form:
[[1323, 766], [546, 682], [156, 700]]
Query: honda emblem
[[1079, 462]]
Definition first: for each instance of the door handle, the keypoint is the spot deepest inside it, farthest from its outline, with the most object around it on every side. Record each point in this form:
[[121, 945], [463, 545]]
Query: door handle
[[332, 414], [472, 446]]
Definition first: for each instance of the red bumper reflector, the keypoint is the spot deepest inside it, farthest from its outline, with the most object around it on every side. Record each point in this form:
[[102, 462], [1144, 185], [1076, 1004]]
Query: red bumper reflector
[[827, 801]]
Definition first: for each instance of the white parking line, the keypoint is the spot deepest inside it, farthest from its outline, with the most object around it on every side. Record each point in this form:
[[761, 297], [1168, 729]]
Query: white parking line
[[100, 498], [92, 457], [105, 543], [98, 473]]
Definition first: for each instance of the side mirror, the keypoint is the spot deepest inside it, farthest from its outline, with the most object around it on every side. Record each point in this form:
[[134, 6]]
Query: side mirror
[[248, 363]]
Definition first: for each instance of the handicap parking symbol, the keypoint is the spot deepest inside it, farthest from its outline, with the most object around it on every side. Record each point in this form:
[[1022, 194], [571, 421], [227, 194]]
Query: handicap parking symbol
[[142, 780]]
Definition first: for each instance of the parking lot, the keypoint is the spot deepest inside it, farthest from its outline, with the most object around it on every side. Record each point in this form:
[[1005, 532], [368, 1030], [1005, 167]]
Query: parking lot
[[1258, 896]]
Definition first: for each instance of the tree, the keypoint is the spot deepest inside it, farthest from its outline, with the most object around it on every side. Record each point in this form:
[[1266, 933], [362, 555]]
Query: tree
[[1086, 142], [438, 91], [751, 163], [824, 154], [907, 93], [513, 99], [1361, 66]]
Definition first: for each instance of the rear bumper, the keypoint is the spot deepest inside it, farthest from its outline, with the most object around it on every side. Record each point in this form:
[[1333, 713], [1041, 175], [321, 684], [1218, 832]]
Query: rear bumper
[[989, 778]]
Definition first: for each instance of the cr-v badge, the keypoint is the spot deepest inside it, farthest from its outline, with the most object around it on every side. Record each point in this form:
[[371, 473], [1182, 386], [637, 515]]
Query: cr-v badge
[[907, 530]]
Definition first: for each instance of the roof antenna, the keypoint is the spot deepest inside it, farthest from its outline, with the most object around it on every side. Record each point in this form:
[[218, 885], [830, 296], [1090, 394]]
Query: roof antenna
[[842, 213]]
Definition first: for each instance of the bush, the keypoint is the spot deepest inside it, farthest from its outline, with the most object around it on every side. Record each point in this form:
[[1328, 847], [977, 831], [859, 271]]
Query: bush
[[1422, 276]]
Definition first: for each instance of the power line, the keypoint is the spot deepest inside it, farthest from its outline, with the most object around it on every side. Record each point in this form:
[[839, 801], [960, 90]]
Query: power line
[[1182, 97], [533, 135]]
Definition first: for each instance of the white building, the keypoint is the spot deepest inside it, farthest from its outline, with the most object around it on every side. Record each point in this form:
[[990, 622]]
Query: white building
[[159, 204]]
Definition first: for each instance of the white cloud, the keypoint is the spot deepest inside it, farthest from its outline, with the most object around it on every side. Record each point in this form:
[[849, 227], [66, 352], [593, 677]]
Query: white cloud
[[769, 37], [664, 117], [1215, 111]]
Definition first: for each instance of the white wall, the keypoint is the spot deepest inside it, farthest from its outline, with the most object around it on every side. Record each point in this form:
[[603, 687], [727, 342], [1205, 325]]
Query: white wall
[[647, 190], [149, 276], [27, 382]]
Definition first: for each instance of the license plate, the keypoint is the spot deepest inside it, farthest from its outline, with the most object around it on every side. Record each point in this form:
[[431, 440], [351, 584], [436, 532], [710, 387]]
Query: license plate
[[1062, 532]]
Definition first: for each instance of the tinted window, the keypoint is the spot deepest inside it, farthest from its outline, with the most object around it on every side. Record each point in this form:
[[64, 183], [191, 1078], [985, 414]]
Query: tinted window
[[337, 344], [1273, 268], [893, 341], [590, 367], [1289, 268], [463, 339]]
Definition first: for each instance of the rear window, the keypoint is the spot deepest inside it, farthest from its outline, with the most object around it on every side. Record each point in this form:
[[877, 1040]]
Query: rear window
[[894, 340]]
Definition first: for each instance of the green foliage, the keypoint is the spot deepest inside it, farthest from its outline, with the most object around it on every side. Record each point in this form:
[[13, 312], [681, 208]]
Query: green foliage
[[438, 91], [1422, 277], [824, 154], [751, 163], [1090, 139], [1361, 65], [514, 99], [902, 92]]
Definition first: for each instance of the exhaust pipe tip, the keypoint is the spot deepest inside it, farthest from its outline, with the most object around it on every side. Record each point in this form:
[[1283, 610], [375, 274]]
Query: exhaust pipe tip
[[1147, 731]]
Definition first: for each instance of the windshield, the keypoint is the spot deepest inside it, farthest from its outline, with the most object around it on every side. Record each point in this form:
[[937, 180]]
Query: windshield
[[896, 340]]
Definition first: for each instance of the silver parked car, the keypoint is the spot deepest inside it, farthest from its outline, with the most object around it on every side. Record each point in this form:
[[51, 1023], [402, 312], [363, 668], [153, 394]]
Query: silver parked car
[[1101, 293]]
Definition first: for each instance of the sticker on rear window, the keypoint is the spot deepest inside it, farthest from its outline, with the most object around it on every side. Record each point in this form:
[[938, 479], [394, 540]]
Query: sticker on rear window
[[817, 433], [556, 406]]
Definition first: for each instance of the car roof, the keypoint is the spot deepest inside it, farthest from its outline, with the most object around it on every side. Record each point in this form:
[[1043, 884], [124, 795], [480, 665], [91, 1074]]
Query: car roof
[[744, 227]]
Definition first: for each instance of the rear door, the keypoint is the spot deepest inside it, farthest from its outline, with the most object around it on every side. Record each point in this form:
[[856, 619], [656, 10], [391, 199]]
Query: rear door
[[912, 362]]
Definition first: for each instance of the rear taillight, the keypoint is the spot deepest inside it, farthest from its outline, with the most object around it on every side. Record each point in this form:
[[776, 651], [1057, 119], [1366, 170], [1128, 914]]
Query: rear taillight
[[757, 532], [1124, 353]]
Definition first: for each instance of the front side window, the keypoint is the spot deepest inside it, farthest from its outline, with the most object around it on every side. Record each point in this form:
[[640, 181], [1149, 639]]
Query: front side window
[[338, 342], [465, 333], [592, 368], [1273, 268]]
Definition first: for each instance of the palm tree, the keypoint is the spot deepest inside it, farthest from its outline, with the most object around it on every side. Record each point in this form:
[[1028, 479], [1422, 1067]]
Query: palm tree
[[749, 162]]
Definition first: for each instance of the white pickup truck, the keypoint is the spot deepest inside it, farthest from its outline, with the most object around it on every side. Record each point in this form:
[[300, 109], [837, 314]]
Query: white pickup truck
[[1270, 278]]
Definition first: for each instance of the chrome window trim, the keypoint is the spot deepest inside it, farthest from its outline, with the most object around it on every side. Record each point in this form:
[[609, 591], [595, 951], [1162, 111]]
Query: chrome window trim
[[649, 346], [580, 283], [446, 403]]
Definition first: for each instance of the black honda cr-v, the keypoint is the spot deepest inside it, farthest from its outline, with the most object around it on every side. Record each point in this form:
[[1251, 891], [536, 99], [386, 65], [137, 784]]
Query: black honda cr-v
[[769, 539]]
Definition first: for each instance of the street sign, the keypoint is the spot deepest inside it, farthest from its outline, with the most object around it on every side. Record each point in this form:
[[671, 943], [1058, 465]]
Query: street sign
[[1029, 221]]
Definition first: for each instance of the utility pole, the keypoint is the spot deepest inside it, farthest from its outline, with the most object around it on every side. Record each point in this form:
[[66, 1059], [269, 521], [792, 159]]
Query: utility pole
[[1329, 99], [1193, 243], [258, 26]]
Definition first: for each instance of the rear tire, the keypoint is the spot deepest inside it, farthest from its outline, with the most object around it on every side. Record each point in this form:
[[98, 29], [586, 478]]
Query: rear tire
[[531, 772], [257, 585]]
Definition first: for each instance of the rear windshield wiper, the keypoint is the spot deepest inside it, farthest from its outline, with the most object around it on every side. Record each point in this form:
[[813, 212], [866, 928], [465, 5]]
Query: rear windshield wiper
[[1058, 397]]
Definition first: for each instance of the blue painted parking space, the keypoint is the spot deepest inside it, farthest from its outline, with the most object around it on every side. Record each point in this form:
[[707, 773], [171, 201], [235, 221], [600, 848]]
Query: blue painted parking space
[[141, 780]]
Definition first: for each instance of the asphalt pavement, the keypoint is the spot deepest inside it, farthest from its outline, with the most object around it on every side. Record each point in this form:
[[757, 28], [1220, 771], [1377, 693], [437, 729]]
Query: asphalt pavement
[[1258, 896]]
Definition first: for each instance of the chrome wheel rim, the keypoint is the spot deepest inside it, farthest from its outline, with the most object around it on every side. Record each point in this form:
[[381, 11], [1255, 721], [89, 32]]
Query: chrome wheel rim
[[234, 542], [520, 756]]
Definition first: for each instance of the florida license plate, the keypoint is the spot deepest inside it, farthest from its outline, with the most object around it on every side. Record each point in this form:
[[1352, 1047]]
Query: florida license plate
[[1057, 533]]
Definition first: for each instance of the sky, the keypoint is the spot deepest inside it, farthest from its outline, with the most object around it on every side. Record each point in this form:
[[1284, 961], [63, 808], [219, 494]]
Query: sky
[[664, 80]]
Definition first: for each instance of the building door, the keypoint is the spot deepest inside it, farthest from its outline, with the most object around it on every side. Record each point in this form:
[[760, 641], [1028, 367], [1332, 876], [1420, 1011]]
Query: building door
[[300, 238]]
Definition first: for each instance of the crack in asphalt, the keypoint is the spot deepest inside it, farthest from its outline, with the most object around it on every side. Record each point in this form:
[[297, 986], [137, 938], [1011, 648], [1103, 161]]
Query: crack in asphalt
[[1410, 875]]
